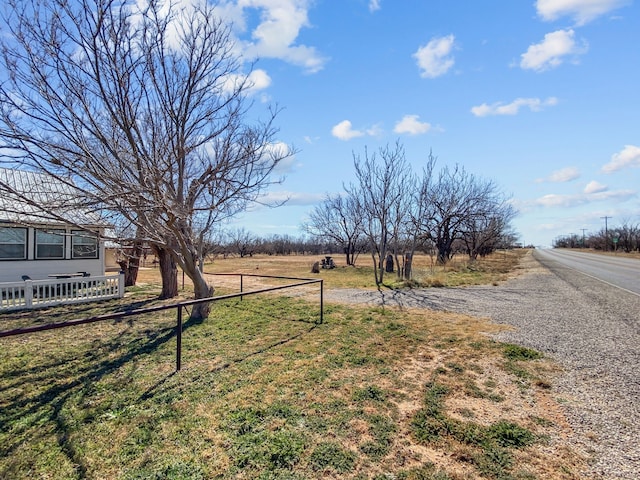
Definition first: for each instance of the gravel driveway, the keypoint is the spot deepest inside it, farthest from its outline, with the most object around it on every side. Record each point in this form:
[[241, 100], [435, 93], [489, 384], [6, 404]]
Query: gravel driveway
[[589, 328]]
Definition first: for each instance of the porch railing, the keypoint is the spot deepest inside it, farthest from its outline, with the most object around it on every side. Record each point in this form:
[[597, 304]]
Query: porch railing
[[44, 293]]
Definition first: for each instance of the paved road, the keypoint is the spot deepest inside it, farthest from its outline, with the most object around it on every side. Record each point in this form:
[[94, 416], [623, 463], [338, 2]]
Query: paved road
[[621, 272]]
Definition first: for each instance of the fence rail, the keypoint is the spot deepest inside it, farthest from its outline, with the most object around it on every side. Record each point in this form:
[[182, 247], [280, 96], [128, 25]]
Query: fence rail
[[178, 306], [49, 292]]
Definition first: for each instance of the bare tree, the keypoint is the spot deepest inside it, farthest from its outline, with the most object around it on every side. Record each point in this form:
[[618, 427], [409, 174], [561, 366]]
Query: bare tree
[[381, 196], [338, 219], [627, 235], [457, 203], [241, 242], [489, 224], [142, 107], [418, 208]]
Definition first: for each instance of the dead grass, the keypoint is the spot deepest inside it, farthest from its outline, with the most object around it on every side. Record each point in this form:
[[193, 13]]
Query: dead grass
[[459, 271], [265, 393]]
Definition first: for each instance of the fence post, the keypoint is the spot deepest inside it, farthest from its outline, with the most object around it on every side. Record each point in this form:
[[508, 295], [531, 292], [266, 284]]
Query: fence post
[[321, 301], [121, 284], [241, 286], [179, 340], [28, 293]]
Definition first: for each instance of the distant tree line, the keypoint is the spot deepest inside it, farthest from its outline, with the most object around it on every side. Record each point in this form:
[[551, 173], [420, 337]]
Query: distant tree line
[[242, 243], [625, 238], [391, 212]]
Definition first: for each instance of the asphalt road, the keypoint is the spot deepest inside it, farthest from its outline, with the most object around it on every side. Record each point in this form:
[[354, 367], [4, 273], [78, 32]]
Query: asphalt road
[[620, 272]]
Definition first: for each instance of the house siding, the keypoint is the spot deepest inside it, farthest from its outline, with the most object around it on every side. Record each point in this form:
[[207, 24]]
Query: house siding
[[37, 269]]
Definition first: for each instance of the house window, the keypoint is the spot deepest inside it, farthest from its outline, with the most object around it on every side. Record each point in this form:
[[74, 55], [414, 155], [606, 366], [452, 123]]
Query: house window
[[13, 243], [49, 244], [84, 245]]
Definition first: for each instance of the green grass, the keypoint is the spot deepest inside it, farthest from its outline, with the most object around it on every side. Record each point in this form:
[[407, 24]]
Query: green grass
[[490, 444], [265, 392]]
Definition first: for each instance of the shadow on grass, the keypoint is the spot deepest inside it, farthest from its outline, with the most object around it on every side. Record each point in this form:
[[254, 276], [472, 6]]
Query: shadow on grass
[[30, 412]]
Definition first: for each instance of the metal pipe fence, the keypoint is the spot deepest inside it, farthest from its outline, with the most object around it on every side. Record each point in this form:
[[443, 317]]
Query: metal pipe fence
[[178, 306]]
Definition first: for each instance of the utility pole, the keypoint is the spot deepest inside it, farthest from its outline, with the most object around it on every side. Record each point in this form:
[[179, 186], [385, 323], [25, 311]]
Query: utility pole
[[606, 234], [583, 230]]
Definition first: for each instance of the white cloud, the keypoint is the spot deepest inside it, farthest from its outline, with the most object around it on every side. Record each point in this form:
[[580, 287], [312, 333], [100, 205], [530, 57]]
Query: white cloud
[[561, 176], [412, 125], [499, 108], [275, 35], [374, 5], [344, 131], [629, 156], [434, 59], [256, 81], [374, 131], [557, 200], [595, 187], [291, 198], [551, 51], [582, 11], [287, 156]]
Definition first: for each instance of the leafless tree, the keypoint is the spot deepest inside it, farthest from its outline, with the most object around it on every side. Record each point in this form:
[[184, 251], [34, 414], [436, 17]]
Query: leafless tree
[[627, 235], [457, 203], [241, 242], [486, 228], [338, 219], [141, 106], [418, 208], [381, 195]]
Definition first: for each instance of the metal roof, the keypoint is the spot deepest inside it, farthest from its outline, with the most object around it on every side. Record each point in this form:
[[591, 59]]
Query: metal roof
[[36, 198]]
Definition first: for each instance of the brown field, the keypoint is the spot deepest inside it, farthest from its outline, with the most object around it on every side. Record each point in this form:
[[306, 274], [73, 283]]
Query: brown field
[[371, 393], [459, 271]]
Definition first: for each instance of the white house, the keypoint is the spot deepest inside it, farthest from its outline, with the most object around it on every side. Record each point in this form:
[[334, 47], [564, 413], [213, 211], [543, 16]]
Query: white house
[[37, 244]]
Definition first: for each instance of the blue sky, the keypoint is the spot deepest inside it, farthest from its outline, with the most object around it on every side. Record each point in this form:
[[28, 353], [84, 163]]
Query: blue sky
[[543, 97]]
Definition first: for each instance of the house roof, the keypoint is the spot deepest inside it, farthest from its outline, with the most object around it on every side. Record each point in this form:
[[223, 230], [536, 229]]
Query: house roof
[[36, 198]]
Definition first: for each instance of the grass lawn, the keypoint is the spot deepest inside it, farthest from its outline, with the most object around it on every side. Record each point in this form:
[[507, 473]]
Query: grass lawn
[[266, 392]]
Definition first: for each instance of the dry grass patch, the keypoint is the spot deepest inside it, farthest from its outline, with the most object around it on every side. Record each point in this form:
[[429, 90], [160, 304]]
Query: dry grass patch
[[266, 393], [459, 271]]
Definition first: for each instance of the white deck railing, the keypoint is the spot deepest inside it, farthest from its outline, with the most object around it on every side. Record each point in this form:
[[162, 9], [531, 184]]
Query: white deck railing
[[44, 293]]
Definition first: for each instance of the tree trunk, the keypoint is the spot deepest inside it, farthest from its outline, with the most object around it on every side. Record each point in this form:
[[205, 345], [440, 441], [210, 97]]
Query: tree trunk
[[201, 289], [388, 266], [169, 273], [377, 268], [408, 258], [348, 251], [131, 264]]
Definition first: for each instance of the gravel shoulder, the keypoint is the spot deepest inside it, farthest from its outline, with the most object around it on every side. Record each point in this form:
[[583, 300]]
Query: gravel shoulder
[[591, 329]]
